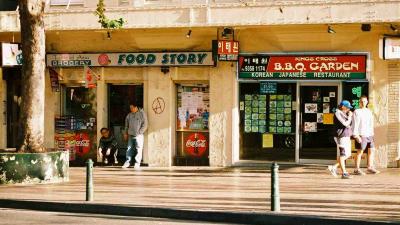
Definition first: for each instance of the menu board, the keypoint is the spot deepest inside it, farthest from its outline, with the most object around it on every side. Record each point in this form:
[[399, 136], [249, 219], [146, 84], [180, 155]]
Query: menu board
[[280, 114], [255, 109], [268, 87]]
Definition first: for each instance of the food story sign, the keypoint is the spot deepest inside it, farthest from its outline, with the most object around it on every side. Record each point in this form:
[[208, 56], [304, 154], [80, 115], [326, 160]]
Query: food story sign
[[131, 59], [337, 67]]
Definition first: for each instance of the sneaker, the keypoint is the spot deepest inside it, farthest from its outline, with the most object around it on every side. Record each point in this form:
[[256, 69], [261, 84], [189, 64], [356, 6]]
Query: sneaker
[[137, 166], [359, 172], [126, 165], [106, 161], [346, 176], [333, 171], [372, 170]]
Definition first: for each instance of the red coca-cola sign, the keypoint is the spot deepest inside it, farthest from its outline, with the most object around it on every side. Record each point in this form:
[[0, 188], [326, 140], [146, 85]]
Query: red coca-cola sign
[[103, 60], [196, 145], [82, 144]]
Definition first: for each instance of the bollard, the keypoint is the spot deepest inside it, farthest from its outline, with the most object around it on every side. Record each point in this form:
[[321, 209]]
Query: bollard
[[275, 199], [89, 180]]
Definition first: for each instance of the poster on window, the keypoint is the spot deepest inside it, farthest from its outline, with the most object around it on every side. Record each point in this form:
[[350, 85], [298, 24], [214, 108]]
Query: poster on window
[[193, 107], [310, 108], [310, 126]]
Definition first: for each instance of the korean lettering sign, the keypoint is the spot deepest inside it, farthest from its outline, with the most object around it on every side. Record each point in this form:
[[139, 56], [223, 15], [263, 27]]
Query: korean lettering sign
[[228, 50], [316, 67]]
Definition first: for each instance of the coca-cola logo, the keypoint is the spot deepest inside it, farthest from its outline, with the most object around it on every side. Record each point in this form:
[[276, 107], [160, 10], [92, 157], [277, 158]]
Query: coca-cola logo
[[196, 144], [103, 60], [82, 144]]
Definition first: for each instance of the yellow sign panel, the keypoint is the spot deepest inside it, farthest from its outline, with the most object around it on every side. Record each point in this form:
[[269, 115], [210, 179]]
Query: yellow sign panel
[[327, 118], [268, 140]]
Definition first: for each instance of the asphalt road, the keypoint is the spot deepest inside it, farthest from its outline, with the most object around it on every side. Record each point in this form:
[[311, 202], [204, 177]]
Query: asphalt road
[[28, 217]]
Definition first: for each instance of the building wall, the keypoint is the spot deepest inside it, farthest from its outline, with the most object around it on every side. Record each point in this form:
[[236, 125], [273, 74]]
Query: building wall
[[160, 142], [393, 117]]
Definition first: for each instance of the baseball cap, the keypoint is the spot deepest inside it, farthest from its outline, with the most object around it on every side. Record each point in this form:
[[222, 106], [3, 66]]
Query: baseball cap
[[346, 104]]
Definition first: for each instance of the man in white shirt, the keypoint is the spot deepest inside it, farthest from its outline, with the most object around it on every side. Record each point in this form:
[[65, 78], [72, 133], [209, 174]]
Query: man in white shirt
[[363, 132]]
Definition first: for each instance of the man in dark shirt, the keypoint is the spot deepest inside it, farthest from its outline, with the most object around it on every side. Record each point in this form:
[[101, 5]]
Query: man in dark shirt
[[342, 120], [108, 149]]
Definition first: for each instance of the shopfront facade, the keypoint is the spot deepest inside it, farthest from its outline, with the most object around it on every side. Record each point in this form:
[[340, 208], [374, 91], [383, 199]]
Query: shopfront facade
[[301, 132], [287, 103], [176, 98]]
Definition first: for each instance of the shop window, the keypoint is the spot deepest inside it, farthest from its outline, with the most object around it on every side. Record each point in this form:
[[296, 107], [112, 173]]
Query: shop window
[[75, 128], [192, 125], [267, 121], [352, 91], [8, 5]]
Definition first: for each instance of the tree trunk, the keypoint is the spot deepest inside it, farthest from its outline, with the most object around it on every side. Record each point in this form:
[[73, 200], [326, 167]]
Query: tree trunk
[[33, 75]]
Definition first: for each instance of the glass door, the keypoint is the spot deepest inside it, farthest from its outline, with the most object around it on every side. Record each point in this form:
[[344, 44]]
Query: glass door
[[13, 105], [317, 107], [75, 129]]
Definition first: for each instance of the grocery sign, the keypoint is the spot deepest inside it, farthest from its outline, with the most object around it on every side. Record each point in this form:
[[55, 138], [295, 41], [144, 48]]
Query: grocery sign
[[313, 67]]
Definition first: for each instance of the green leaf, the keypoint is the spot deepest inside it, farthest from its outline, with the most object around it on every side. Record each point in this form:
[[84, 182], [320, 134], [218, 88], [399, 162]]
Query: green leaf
[[104, 21]]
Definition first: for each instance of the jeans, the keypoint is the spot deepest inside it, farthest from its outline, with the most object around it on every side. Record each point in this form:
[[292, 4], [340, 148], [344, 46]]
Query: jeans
[[135, 147]]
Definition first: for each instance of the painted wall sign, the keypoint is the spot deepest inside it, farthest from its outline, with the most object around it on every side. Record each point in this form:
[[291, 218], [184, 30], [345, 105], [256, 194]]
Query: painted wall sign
[[131, 59], [196, 144], [11, 54], [158, 105], [338, 67]]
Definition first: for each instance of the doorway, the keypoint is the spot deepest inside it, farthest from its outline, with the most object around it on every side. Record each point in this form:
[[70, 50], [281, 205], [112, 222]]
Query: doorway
[[13, 77], [318, 104], [119, 98]]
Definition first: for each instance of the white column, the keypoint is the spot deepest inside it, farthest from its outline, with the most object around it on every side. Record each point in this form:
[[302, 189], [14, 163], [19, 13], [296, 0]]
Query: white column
[[102, 105]]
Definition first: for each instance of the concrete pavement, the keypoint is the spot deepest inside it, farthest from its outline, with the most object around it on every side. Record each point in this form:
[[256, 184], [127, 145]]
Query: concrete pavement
[[308, 193]]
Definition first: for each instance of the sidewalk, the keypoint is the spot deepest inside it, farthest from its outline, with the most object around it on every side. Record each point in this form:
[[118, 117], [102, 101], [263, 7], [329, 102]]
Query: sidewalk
[[234, 192]]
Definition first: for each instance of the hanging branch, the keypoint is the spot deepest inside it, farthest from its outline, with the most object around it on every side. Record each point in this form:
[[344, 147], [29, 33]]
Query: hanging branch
[[104, 21]]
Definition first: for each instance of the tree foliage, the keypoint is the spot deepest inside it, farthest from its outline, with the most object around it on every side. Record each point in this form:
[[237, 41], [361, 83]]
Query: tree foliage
[[104, 21]]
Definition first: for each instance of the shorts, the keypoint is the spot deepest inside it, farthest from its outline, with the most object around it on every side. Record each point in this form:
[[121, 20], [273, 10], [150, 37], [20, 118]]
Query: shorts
[[343, 145], [366, 142]]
